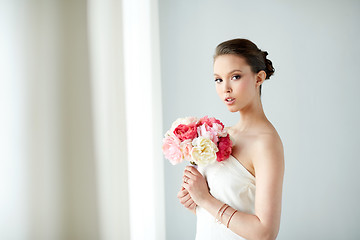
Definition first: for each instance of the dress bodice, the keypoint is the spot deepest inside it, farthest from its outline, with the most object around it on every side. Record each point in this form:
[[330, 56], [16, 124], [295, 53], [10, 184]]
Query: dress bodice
[[231, 183]]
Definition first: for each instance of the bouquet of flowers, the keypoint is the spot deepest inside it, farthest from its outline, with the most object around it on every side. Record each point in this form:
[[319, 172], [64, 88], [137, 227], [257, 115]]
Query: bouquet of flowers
[[199, 141]]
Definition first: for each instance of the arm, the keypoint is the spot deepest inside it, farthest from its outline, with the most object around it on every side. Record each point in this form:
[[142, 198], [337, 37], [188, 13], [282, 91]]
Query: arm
[[269, 168]]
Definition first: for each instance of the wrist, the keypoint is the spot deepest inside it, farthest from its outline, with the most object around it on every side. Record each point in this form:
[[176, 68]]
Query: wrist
[[206, 201], [212, 205]]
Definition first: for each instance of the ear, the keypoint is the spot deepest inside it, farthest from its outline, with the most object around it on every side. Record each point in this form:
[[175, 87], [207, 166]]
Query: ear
[[260, 78]]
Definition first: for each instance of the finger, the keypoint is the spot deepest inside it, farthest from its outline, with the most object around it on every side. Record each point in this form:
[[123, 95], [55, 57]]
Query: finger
[[188, 180], [181, 194], [193, 170], [188, 175], [186, 186], [188, 203], [192, 206], [185, 178], [185, 200]]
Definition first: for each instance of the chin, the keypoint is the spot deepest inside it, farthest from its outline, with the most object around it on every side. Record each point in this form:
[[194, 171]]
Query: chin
[[231, 109]]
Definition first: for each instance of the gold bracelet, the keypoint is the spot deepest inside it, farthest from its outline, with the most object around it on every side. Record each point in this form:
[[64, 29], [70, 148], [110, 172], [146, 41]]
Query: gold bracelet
[[227, 225], [218, 213], [227, 206]]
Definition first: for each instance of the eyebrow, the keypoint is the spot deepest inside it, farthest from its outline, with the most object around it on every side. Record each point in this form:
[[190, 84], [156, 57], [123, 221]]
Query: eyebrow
[[236, 70]]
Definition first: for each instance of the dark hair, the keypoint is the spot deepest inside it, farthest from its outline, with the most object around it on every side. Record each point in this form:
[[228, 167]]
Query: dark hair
[[255, 57]]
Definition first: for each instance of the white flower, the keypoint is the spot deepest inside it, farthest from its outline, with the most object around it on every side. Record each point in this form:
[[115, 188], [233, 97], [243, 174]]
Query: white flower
[[203, 151]]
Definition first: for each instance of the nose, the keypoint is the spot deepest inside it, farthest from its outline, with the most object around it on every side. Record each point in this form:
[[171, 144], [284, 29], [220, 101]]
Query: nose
[[227, 87]]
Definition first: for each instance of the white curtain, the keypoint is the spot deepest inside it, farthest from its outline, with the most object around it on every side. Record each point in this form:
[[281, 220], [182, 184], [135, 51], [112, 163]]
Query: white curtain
[[81, 124]]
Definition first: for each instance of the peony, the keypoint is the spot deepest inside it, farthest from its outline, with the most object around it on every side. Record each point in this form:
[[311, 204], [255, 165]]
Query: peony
[[225, 148], [179, 121], [203, 151], [171, 149], [210, 122], [186, 148], [184, 132], [204, 131], [200, 141], [212, 132]]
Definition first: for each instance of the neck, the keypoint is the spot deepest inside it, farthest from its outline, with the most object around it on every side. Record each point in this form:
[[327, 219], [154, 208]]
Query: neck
[[251, 116]]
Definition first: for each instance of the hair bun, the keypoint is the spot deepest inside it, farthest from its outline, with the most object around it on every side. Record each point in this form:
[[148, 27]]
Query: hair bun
[[269, 68], [265, 53]]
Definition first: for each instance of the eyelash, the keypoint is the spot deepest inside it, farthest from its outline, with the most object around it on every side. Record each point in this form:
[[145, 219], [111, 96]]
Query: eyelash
[[235, 76]]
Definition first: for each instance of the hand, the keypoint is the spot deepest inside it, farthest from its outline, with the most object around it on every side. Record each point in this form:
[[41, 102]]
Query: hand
[[186, 200], [196, 185]]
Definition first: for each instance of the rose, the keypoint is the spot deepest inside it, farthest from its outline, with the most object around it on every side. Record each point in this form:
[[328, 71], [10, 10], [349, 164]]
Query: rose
[[184, 132], [225, 148], [203, 151], [171, 149]]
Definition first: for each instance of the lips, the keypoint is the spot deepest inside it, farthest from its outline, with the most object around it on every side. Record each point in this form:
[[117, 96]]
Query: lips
[[229, 100]]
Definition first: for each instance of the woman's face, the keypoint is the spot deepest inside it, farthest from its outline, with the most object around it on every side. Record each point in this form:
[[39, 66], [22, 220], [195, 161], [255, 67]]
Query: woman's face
[[235, 82]]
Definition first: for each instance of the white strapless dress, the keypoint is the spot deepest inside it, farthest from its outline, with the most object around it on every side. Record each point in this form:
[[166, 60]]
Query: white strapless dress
[[231, 183]]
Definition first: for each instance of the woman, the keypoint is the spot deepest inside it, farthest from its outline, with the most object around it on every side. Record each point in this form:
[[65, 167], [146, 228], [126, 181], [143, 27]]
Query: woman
[[240, 198]]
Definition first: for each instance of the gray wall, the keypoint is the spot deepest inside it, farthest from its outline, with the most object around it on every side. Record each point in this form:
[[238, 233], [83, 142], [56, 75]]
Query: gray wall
[[312, 101]]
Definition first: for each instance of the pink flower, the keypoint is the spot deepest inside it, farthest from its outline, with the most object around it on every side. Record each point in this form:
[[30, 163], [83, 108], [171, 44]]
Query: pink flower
[[210, 121], [171, 149], [179, 121], [208, 132], [201, 141], [186, 148], [225, 148], [212, 131], [184, 132]]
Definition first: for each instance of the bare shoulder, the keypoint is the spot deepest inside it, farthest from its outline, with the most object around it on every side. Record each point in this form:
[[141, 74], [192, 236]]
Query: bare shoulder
[[268, 149], [269, 140]]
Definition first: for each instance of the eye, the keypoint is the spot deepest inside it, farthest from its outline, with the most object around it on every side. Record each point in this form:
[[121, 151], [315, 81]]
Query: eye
[[218, 80], [236, 77]]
